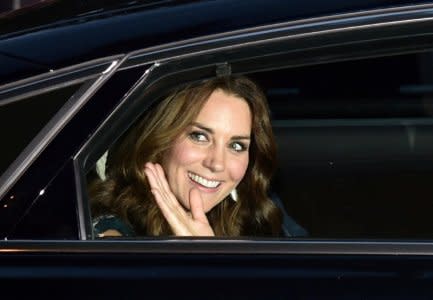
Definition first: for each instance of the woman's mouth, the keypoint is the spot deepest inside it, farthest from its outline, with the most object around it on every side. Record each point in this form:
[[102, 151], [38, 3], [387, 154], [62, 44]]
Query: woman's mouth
[[207, 183]]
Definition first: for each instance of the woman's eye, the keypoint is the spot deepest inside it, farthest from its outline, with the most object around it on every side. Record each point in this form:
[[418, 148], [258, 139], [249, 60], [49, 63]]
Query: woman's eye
[[198, 136], [238, 147]]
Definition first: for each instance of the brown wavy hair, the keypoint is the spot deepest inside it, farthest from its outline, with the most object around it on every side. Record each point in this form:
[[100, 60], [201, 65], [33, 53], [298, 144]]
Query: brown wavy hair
[[126, 194]]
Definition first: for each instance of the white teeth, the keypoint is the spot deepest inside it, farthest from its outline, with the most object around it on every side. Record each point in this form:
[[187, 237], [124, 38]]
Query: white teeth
[[204, 182]]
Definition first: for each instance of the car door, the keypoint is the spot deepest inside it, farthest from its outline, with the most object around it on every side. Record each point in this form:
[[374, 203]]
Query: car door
[[345, 139]]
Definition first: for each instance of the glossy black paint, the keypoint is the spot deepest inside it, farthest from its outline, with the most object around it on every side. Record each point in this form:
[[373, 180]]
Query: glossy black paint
[[77, 32], [233, 276], [17, 67]]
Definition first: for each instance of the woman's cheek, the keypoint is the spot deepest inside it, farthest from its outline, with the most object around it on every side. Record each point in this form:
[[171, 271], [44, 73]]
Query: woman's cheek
[[238, 167], [186, 153]]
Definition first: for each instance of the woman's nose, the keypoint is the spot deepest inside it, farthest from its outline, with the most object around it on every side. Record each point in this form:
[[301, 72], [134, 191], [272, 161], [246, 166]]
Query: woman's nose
[[215, 159]]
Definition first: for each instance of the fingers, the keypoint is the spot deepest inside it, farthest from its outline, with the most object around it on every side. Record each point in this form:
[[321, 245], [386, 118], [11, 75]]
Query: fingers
[[162, 181], [196, 204], [159, 187], [155, 177], [201, 225], [173, 212], [156, 189], [172, 217], [181, 222], [157, 181]]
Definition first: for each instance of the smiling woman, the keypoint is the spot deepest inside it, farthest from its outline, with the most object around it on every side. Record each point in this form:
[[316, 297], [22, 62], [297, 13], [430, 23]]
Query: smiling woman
[[197, 164]]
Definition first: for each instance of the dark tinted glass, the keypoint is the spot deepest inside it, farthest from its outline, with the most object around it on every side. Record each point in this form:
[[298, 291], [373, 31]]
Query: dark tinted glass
[[356, 145], [385, 87], [20, 121], [52, 214]]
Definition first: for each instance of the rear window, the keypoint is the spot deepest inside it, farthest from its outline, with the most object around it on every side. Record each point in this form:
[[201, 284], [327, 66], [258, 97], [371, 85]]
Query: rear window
[[22, 120]]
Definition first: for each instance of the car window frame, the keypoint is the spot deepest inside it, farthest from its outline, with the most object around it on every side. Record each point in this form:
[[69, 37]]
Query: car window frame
[[304, 45], [91, 75]]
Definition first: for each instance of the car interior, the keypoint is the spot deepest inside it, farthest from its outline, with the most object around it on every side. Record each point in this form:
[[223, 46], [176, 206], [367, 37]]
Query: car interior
[[355, 150]]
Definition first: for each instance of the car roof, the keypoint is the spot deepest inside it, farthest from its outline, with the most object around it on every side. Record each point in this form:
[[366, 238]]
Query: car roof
[[55, 34]]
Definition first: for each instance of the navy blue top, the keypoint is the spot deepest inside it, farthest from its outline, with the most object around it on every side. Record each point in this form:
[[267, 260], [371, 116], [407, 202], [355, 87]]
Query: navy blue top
[[110, 222]]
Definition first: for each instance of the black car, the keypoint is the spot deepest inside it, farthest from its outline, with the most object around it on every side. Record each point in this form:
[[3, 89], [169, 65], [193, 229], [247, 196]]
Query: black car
[[350, 88]]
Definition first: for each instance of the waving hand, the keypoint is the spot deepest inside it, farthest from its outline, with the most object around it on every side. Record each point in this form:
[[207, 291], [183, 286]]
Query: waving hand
[[182, 222]]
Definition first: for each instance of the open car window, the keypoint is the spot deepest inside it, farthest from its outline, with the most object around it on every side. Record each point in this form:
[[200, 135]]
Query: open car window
[[354, 147]]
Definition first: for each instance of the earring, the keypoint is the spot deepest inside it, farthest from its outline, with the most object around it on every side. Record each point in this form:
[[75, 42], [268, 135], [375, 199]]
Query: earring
[[234, 195]]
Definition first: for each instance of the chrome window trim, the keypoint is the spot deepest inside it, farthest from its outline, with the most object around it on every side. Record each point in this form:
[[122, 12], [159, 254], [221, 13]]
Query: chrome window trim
[[82, 210], [359, 122], [54, 79], [53, 127], [282, 31], [242, 246], [81, 203]]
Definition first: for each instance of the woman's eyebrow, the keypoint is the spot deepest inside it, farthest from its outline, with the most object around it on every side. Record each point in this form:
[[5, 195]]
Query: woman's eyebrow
[[202, 127], [236, 137], [241, 137]]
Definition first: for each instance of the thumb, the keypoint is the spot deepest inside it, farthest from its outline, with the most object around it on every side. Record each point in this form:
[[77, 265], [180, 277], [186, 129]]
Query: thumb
[[196, 204]]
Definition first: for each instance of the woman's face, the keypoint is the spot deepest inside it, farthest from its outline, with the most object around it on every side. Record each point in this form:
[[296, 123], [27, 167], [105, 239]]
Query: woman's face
[[211, 155]]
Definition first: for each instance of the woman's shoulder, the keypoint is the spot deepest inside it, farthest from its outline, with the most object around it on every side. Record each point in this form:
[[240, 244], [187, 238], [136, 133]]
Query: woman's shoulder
[[111, 226]]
